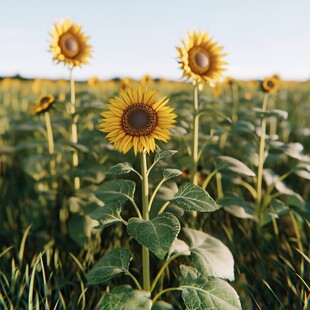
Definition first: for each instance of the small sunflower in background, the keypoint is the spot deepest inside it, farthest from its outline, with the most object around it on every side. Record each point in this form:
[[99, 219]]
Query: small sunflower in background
[[269, 84], [43, 104], [136, 118], [93, 81], [69, 44], [125, 83], [147, 80], [200, 58]]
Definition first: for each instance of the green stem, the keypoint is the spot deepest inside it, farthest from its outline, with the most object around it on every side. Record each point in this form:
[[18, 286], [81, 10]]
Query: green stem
[[218, 178], [194, 176], [136, 208], [170, 289], [162, 269], [155, 192], [145, 215], [50, 141], [234, 113], [134, 280], [165, 205], [261, 158], [208, 179], [74, 134]]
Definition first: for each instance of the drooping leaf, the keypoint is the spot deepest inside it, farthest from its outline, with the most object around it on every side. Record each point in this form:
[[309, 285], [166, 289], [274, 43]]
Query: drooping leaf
[[237, 207], [157, 235], [210, 256], [192, 197], [201, 293], [159, 155], [171, 173], [107, 215], [235, 165], [125, 298], [114, 262], [120, 168], [179, 246], [116, 191]]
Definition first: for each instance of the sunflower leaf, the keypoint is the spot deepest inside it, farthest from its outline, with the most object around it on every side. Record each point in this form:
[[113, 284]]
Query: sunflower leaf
[[114, 262], [192, 197], [121, 168], [159, 155], [116, 191], [235, 165], [171, 173], [124, 297]]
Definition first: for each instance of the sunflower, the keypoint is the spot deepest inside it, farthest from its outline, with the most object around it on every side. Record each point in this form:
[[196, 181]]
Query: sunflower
[[269, 84], [125, 83], [200, 58], [93, 81], [43, 104], [146, 80], [69, 44], [136, 118]]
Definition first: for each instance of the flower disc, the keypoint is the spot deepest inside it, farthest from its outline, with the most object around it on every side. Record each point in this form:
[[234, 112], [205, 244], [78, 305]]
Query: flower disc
[[136, 118], [43, 104], [270, 84]]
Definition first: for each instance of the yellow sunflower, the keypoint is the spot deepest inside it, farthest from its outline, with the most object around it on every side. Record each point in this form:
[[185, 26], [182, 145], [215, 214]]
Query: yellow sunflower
[[125, 83], [69, 44], [136, 118], [147, 80], [269, 84], [200, 58], [43, 104]]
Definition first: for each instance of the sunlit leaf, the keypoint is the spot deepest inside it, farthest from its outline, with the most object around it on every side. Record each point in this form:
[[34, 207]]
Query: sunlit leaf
[[114, 262], [211, 257], [125, 298], [235, 165], [192, 197], [171, 173], [237, 207], [120, 168], [157, 235], [159, 155]]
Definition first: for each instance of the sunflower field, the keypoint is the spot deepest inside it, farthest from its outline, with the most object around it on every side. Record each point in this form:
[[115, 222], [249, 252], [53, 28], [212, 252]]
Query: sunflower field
[[154, 194]]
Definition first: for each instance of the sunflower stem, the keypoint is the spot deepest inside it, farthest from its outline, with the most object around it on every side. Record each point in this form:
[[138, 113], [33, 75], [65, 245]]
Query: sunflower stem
[[50, 141], [194, 177], [145, 215], [74, 134], [261, 158]]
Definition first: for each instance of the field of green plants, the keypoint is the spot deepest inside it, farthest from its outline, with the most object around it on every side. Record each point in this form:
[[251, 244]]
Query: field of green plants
[[69, 246]]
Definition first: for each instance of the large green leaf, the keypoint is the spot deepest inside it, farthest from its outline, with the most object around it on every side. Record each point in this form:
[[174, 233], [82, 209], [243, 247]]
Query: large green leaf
[[163, 154], [157, 235], [117, 191], [114, 262], [237, 207], [203, 293], [192, 197], [235, 165], [120, 168], [125, 298], [210, 256], [107, 215]]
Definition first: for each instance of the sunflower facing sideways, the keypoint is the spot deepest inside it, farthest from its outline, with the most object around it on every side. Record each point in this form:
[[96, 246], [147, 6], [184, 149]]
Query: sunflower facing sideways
[[136, 118], [69, 44], [269, 84], [200, 58], [43, 104]]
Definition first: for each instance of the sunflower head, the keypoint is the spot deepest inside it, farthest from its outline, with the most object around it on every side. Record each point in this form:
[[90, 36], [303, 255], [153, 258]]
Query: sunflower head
[[69, 44], [136, 118], [125, 83], [93, 81], [43, 104], [200, 58], [269, 84], [146, 80]]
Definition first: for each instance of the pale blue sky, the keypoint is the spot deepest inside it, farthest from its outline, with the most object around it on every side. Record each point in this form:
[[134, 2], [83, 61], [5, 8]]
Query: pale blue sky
[[137, 37]]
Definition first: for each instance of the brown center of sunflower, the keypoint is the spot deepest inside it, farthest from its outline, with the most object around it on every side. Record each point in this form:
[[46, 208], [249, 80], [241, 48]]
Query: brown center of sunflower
[[69, 45], [199, 60], [270, 84], [45, 99], [139, 120]]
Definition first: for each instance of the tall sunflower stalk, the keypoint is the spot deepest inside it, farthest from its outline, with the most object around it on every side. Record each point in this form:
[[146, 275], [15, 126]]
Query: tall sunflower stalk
[[134, 120], [269, 86], [69, 45], [200, 58]]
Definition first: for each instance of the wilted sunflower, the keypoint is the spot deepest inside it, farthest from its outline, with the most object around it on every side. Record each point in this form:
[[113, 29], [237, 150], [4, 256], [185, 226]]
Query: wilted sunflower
[[136, 118], [69, 44], [43, 104], [270, 84], [200, 58]]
